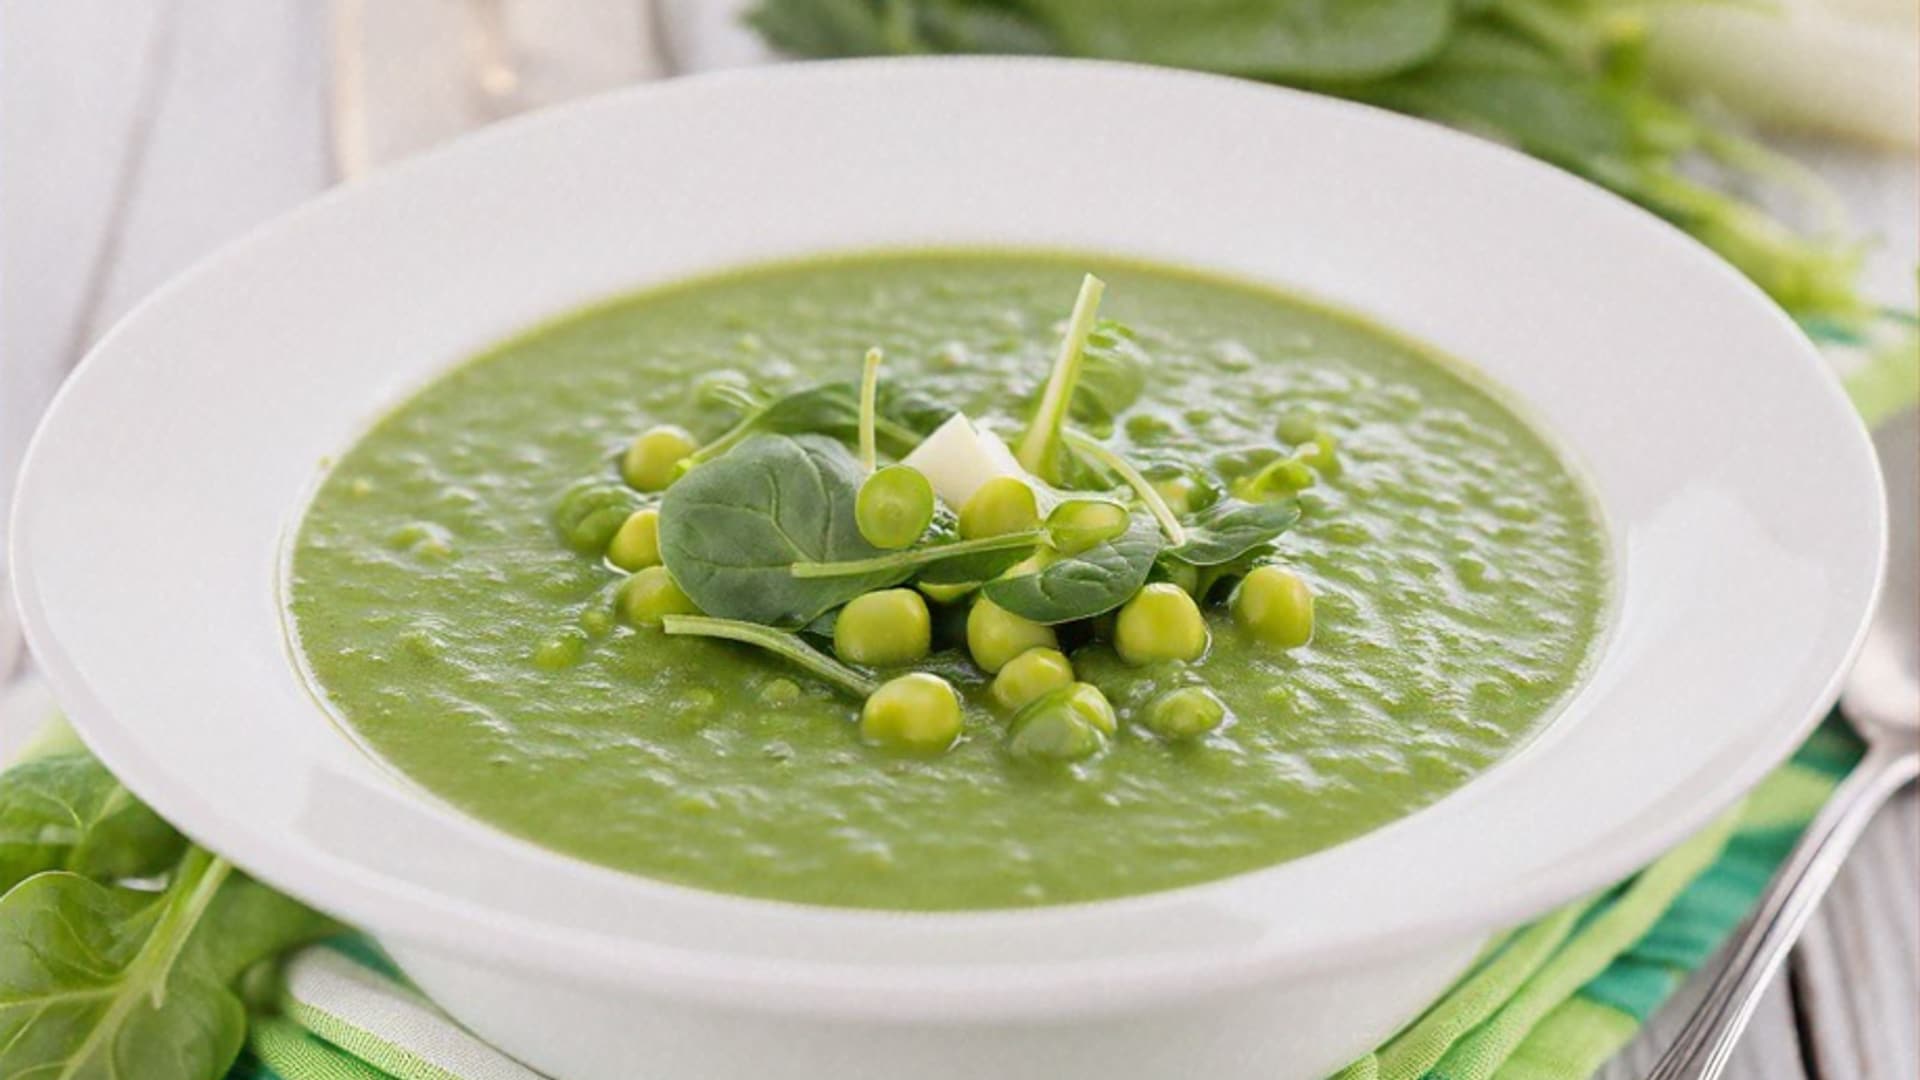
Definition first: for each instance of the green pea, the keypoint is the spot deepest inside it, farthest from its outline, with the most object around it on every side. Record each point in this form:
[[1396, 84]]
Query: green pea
[[637, 545], [1322, 455], [590, 512], [1297, 426], [1278, 480], [650, 462], [1004, 504], [651, 595], [1063, 725], [1275, 606], [1185, 712], [1028, 676], [780, 691], [894, 507], [890, 626], [1078, 524], [918, 712], [996, 635], [1161, 622], [1176, 491], [944, 594], [563, 650], [596, 620]]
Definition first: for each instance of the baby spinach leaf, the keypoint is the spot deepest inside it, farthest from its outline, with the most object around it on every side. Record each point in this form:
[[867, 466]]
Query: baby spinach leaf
[[731, 530], [1081, 586], [1113, 375], [949, 561], [903, 417], [101, 982], [67, 812], [1230, 528], [1207, 580], [968, 562], [89, 988], [1042, 449]]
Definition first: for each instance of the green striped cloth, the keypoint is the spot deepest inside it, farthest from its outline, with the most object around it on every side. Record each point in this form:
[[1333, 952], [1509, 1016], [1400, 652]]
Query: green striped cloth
[[1552, 1000]]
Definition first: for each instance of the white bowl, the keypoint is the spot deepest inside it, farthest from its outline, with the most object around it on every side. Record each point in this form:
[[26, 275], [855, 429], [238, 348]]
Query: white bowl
[[1741, 491]]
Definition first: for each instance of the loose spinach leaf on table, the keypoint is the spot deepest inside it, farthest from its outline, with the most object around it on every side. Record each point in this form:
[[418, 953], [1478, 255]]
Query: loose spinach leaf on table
[[1229, 528], [67, 812], [101, 982], [1276, 39], [1081, 586], [1313, 40], [865, 27], [731, 530]]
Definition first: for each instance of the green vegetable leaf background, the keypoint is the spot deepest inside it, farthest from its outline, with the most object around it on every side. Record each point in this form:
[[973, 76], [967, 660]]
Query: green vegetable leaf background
[[1562, 80], [121, 944]]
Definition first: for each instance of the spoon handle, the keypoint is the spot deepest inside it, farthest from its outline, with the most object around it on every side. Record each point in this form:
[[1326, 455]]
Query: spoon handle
[[1703, 1047]]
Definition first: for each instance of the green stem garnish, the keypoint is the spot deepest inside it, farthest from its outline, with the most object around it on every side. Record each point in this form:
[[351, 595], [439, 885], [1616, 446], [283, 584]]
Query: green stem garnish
[[1157, 506], [779, 642], [909, 560], [1037, 452], [869, 408], [728, 439]]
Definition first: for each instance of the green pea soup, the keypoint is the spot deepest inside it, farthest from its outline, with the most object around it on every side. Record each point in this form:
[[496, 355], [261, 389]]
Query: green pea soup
[[1460, 572]]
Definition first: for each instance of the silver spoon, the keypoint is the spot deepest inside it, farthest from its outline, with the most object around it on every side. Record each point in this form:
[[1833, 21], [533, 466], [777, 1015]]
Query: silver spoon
[[1881, 699]]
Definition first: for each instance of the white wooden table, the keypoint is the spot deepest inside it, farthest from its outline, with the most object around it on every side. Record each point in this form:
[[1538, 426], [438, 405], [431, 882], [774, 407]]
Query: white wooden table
[[137, 135]]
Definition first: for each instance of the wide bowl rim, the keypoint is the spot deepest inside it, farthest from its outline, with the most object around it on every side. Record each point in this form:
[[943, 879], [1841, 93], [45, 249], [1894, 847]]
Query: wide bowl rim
[[417, 913]]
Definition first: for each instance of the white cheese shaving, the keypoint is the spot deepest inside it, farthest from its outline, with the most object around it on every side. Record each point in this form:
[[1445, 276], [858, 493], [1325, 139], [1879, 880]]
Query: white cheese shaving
[[958, 457]]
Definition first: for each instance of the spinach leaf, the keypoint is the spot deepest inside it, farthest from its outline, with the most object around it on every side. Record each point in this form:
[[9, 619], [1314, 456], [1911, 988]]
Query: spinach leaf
[[101, 982], [969, 562], [1229, 528], [1042, 449], [247, 923], [825, 28], [903, 417], [67, 812], [1313, 40], [947, 562], [865, 27], [1081, 586], [1113, 375], [731, 530]]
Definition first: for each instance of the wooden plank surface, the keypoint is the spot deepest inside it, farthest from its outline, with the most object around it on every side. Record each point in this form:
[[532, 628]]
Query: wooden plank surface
[[139, 136], [1858, 969]]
